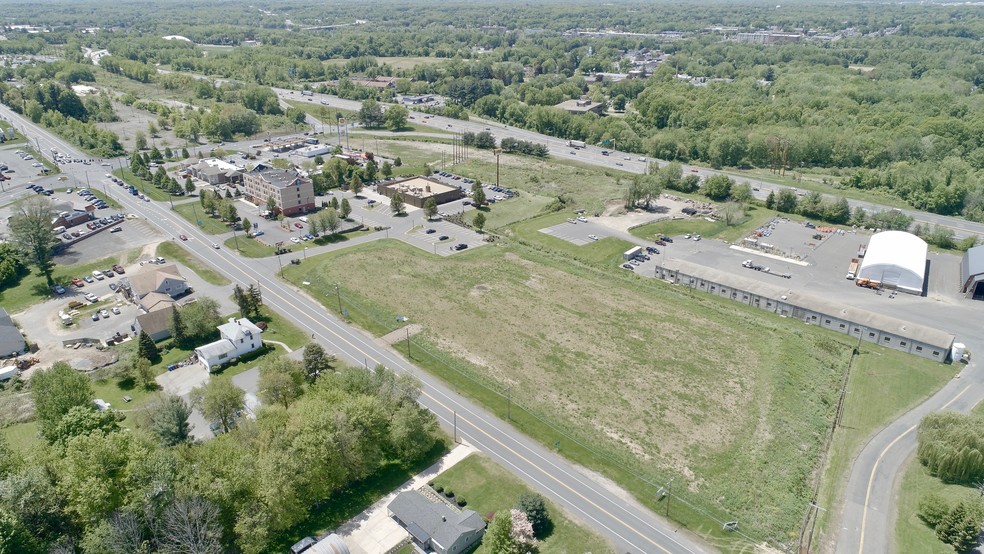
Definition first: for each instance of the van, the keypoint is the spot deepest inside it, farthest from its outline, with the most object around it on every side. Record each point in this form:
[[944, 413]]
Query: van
[[59, 230]]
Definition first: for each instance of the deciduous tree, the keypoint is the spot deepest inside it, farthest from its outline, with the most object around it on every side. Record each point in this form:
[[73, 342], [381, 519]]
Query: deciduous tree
[[30, 231], [281, 381], [55, 391], [396, 203], [219, 400], [169, 420]]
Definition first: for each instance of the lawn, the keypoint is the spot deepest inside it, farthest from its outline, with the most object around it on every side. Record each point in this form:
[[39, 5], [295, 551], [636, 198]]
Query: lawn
[[33, 288], [883, 385], [145, 187], [489, 488], [22, 437], [705, 385], [173, 251], [513, 210], [196, 215], [248, 247], [607, 251], [18, 136], [754, 218], [911, 533]]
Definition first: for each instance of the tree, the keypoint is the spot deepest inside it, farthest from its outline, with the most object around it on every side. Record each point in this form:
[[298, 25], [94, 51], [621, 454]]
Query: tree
[[146, 348], [169, 420], [145, 374], [184, 153], [179, 332], [731, 213], [247, 225], [316, 361], [412, 432], [271, 203], [933, 509], [498, 536], [140, 141], [281, 381], [202, 318], [961, 528], [838, 211], [398, 162], [331, 221], [951, 446], [535, 508], [192, 525], [242, 300], [355, 184], [786, 201], [770, 200], [30, 231], [430, 208], [618, 103], [396, 203], [479, 220], [742, 193], [15, 537], [396, 117], [386, 169], [717, 187], [256, 298], [478, 194], [55, 391], [371, 113], [345, 209], [219, 400], [83, 420], [522, 533]]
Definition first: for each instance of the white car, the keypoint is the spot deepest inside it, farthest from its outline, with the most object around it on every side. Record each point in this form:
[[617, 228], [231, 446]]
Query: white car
[[91, 297], [98, 275], [582, 219], [215, 245], [104, 313], [295, 240], [116, 310], [593, 237]]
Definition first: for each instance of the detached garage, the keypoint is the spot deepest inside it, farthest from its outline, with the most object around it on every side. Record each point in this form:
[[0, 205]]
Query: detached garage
[[972, 273], [897, 260]]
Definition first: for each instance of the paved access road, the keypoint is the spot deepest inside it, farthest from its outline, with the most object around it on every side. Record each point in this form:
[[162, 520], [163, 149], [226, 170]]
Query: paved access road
[[631, 527]]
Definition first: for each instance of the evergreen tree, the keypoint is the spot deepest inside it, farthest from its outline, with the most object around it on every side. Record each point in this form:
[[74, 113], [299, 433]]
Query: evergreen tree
[[255, 299], [179, 331], [189, 186], [146, 348], [961, 528], [184, 153]]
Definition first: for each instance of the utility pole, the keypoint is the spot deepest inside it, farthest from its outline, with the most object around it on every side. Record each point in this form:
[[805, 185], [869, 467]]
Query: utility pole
[[339, 296], [497, 152], [408, 344], [509, 403], [455, 414]]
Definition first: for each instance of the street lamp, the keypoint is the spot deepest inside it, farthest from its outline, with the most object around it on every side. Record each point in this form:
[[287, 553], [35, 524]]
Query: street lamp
[[339, 296]]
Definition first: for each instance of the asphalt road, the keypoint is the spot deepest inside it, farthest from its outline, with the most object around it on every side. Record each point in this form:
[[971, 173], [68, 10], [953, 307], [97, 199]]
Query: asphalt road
[[631, 527]]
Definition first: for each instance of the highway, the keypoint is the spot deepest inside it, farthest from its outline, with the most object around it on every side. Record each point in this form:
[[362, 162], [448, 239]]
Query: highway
[[629, 526]]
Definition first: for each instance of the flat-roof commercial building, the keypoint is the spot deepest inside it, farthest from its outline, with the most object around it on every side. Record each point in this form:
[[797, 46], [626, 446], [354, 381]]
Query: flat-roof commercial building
[[972, 273], [417, 190], [880, 329], [292, 193], [897, 260], [581, 106]]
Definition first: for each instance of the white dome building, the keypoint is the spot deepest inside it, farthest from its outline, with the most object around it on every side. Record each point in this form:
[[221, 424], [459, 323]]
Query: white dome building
[[897, 260]]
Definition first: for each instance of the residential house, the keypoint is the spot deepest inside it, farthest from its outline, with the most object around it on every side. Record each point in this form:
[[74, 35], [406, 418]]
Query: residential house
[[292, 192], [12, 342], [236, 338], [156, 322], [434, 524], [166, 280]]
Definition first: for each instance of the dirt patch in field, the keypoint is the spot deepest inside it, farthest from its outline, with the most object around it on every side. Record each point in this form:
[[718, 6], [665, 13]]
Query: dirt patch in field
[[616, 217]]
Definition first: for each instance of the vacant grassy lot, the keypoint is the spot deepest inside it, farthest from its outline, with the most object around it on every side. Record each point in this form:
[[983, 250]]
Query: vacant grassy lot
[[668, 383], [194, 213], [489, 488], [754, 217], [248, 247], [171, 250]]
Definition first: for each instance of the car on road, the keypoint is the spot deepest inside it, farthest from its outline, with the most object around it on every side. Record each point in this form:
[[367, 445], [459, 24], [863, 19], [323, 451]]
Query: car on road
[[91, 297], [116, 310], [642, 159], [443, 237], [619, 164], [593, 237], [104, 313], [694, 170], [182, 237], [298, 225], [215, 245], [58, 289], [573, 153], [430, 231]]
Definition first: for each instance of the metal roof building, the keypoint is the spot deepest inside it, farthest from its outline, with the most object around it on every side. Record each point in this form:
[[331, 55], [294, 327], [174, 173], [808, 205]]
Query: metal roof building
[[877, 328], [972, 273], [897, 260]]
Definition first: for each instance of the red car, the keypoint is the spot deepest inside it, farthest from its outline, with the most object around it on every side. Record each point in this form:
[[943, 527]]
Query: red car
[[78, 282], [298, 225]]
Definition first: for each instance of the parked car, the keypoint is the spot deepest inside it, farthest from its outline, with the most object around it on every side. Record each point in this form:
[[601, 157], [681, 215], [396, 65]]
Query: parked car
[[77, 282], [628, 266], [443, 237], [118, 269], [295, 240], [95, 316], [104, 313], [58, 289], [98, 275], [258, 233], [91, 297], [593, 237], [109, 273], [115, 229], [430, 231], [298, 225], [116, 310], [461, 246]]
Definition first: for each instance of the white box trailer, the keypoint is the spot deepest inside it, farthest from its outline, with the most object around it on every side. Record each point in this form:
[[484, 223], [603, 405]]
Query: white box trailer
[[632, 253], [8, 372]]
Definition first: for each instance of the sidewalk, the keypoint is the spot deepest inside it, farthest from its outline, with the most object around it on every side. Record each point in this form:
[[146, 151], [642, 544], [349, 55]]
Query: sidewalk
[[373, 531]]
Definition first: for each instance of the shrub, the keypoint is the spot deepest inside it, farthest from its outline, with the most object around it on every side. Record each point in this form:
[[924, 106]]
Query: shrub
[[932, 509], [462, 502], [449, 493], [439, 489], [535, 508]]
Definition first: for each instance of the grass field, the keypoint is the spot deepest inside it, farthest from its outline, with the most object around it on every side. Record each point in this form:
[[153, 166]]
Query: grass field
[[171, 250], [489, 488], [883, 385], [22, 436], [193, 212], [911, 533], [248, 247], [704, 386], [18, 137], [755, 217]]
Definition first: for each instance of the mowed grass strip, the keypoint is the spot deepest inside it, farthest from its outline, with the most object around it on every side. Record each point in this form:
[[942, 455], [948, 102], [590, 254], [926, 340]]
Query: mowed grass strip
[[173, 251], [194, 213], [732, 400], [488, 488]]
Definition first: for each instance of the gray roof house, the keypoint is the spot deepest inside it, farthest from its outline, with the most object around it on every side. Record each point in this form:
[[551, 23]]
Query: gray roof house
[[434, 524], [972, 273], [11, 341]]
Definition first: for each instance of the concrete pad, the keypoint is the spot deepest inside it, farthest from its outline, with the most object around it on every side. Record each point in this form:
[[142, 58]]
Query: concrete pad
[[373, 531], [180, 381]]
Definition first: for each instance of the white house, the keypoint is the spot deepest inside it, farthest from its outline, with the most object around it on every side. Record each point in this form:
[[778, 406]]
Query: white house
[[238, 337]]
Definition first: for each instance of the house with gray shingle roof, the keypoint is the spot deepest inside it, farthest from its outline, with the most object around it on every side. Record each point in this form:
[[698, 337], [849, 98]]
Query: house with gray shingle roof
[[434, 524], [12, 342]]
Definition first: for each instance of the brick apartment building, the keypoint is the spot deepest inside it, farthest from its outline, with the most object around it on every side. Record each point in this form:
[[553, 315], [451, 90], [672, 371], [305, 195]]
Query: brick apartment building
[[293, 193]]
